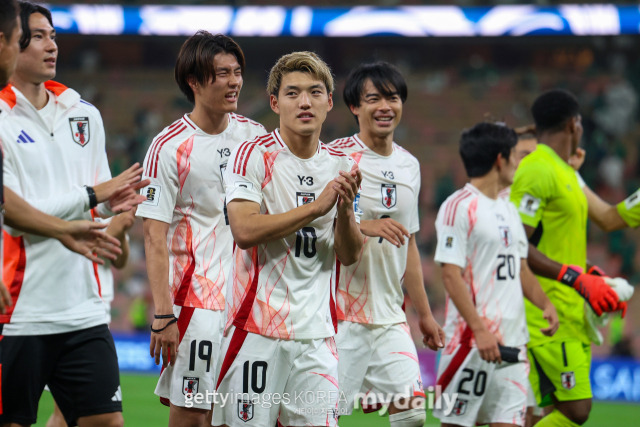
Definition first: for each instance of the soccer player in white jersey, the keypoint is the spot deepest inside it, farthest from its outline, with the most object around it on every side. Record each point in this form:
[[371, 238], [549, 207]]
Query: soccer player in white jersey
[[56, 331], [377, 354], [291, 209], [187, 237], [483, 249]]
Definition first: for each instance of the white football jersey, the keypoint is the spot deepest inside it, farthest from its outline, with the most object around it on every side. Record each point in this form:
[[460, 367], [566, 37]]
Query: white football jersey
[[185, 166], [370, 291], [485, 238], [285, 288]]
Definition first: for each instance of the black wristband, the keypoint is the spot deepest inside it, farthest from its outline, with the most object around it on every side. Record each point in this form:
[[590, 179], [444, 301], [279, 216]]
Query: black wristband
[[93, 199], [163, 316], [170, 322], [569, 276]]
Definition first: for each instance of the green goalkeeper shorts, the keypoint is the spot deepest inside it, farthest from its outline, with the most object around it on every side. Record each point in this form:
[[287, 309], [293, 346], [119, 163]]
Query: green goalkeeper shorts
[[560, 369]]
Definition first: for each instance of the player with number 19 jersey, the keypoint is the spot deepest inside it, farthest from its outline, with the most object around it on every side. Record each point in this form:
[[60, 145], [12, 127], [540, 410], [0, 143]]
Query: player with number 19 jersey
[[369, 291], [285, 288], [486, 239], [185, 166]]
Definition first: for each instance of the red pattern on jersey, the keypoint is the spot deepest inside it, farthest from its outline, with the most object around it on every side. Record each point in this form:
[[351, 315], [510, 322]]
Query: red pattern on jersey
[[154, 151], [330, 342], [452, 207], [354, 304], [15, 262], [184, 261], [269, 161], [264, 319], [182, 157]]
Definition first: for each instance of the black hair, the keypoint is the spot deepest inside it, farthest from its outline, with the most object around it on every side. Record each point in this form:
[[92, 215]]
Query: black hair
[[481, 145], [553, 109], [8, 14], [26, 10], [384, 76], [196, 59]]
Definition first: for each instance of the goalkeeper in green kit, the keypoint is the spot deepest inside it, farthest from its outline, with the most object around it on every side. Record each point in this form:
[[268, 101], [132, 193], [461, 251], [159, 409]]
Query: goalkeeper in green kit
[[548, 195]]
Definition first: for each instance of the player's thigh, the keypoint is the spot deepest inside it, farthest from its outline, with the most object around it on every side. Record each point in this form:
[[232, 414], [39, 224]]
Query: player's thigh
[[113, 419], [462, 382], [355, 346], [312, 386], [252, 374], [26, 363], [86, 380], [190, 381], [394, 370], [560, 369], [506, 401]]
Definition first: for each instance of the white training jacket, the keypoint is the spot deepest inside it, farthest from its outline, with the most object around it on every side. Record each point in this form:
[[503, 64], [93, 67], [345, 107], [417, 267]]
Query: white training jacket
[[53, 289]]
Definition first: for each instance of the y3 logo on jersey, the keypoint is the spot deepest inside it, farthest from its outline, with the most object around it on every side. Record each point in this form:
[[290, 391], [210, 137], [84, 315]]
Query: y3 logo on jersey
[[305, 180]]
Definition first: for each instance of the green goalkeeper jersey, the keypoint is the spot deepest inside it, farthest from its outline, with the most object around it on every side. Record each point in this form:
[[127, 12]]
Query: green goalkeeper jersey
[[549, 198], [629, 209]]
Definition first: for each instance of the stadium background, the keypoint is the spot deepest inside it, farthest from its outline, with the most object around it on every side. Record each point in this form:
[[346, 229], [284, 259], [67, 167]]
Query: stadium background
[[453, 82]]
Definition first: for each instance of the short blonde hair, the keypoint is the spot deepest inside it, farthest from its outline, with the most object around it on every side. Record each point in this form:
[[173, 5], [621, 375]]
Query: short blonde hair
[[306, 62]]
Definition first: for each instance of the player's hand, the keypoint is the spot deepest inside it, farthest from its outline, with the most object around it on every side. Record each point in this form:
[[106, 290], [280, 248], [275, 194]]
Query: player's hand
[[119, 224], [385, 228], [346, 185], [121, 192], [487, 344], [5, 298], [594, 270], [551, 316], [164, 343], [577, 159], [87, 239], [432, 333], [600, 296]]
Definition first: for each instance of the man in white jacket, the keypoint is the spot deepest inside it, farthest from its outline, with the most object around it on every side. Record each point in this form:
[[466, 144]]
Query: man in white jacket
[[55, 333]]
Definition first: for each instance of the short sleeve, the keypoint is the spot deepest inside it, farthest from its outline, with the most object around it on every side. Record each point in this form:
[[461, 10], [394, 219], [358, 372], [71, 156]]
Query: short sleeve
[[530, 192], [451, 228], [162, 192], [629, 209], [245, 173], [519, 233]]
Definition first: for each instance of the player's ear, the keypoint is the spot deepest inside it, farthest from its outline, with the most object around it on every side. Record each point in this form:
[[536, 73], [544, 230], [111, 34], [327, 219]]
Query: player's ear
[[193, 83], [273, 102], [572, 125], [355, 109], [330, 102]]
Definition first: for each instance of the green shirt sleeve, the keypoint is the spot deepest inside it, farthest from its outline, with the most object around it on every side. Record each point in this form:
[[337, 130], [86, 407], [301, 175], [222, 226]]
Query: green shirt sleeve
[[533, 186], [629, 209]]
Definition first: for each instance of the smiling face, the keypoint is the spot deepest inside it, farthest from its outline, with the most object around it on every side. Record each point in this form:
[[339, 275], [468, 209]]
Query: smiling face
[[378, 115], [302, 104], [220, 95], [37, 63]]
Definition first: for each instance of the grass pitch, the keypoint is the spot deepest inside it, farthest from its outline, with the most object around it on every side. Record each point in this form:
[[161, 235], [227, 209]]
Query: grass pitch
[[141, 408]]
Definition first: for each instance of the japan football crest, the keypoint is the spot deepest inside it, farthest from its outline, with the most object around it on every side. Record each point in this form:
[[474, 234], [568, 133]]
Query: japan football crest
[[245, 410], [568, 380], [389, 195], [505, 235], [80, 130], [303, 198], [460, 407], [189, 385]]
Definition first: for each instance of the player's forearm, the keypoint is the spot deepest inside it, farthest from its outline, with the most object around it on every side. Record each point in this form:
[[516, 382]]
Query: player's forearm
[[348, 240], [253, 228], [414, 280], [157, 256], [459, 294], [21, 215], [69, 206], [531, 288], [121, 260], [606, 216], [540, 264]]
